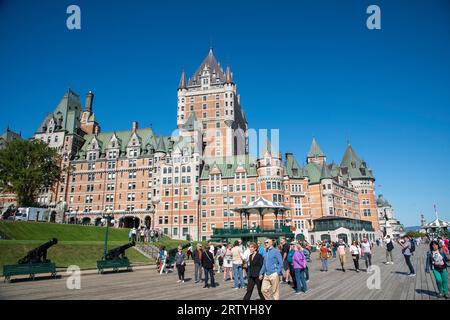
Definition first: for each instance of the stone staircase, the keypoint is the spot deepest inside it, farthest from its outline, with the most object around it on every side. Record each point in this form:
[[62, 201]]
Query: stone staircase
[[148, 250]]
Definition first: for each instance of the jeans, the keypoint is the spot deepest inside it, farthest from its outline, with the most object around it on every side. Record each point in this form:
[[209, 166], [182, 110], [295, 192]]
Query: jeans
[[238, 277], [368, 259], [209, 273], [180, 269], [251, 284], [389, 255], [300, 280], [441, 281], [307, 273], [324, 264], [292, 272], [356, 260], [409, 264], [198, 271]]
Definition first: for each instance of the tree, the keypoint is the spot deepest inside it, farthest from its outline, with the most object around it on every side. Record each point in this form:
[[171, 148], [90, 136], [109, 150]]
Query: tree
[[27, 166]]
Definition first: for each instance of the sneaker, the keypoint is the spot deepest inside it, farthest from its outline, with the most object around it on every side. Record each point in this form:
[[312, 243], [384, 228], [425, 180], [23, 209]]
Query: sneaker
[[299, 292], [412, 274], [178, 281], [182, 281], [196, 281], [236, 288]]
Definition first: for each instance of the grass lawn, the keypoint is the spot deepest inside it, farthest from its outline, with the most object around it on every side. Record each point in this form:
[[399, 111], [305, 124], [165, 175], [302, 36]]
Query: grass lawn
[[21, 230], [81, 253], [77, 245]]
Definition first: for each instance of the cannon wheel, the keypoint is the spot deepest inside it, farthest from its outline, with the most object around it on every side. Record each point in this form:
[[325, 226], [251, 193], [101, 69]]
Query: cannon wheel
[[54, 275], [7, 279], [130, 268], [115, 269]]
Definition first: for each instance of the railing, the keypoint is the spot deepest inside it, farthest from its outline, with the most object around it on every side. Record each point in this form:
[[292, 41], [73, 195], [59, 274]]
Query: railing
[[235, 231]]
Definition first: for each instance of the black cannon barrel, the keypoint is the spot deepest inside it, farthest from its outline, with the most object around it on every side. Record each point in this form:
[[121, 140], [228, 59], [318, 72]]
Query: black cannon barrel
[[173, 252], [116, 252], [38, 254]]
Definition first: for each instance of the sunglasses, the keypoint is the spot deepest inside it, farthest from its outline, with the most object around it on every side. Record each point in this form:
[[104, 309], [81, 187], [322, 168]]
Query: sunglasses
[[266, 242]]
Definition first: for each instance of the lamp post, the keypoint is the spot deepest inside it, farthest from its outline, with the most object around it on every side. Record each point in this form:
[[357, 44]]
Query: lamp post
[[107, 218]]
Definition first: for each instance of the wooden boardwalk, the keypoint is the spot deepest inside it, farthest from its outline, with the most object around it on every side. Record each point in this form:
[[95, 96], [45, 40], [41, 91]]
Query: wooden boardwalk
[[148, 284]]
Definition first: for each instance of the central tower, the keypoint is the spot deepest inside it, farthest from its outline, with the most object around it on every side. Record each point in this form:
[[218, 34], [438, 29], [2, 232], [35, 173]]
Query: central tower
[[209, 99]]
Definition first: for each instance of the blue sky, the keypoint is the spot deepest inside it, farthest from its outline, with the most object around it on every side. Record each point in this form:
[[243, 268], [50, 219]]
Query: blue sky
[[309, 68]]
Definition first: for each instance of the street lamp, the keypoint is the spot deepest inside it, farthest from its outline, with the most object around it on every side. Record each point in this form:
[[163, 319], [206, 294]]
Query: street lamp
[[107, 218]]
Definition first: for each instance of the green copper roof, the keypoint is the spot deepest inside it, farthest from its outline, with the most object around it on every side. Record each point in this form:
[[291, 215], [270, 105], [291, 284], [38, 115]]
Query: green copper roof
[[354, 167], [146, 138], [291, 167], [325, 172], [313, 172], [66, 114], [161, 147], [228, 166], [314, 150]]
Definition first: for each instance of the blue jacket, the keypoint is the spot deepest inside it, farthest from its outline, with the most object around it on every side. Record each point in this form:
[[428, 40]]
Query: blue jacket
[[272, 263]]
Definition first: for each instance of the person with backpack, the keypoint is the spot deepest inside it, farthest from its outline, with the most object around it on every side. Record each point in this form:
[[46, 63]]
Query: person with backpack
[[408, 248], [323, 256], [389, 248], [299, 265], [291, 266], [307, 254], [437, 260], [208, 266]]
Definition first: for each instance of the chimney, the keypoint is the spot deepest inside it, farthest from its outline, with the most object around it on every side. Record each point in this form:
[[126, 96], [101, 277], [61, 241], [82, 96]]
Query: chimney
[[96, 130], [135, 126], [89, 100]]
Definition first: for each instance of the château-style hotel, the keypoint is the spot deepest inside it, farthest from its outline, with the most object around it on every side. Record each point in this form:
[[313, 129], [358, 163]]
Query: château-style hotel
[[188, 183]]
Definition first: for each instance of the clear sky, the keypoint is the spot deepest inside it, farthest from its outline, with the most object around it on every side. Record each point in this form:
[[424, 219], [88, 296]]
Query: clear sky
[[309, 68]]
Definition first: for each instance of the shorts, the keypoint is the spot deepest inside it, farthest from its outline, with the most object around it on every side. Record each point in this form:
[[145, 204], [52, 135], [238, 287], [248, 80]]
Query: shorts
[[285, 265]]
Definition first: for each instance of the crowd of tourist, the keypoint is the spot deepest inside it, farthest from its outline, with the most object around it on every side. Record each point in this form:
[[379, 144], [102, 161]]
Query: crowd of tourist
[[267, 265]]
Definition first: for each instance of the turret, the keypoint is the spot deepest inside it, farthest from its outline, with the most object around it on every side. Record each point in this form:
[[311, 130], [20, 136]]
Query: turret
[[316, 154]]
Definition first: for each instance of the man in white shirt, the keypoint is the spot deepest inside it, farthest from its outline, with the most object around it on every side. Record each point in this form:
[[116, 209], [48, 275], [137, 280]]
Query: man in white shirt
[[366, 253]]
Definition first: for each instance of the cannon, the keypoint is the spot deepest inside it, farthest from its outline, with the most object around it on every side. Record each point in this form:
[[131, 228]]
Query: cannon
[[119, 252], [115, 259], [33, 263], [39, 254]]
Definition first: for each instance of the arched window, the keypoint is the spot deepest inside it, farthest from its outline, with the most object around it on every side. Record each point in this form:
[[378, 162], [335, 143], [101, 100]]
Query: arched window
[[177, 170], [183, 169], [189, 169]]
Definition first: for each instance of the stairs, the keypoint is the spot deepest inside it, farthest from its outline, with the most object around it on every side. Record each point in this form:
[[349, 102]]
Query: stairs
[[148, 250]]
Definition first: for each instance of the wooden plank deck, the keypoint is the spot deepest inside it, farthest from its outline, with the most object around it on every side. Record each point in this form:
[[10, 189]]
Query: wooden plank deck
[[148, 284]]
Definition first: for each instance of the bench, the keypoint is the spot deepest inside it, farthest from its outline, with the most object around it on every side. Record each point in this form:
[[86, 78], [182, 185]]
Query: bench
[[29, 268], [113, 264]]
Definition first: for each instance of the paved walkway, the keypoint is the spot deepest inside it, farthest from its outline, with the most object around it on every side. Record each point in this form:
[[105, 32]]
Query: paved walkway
[[146, 283]]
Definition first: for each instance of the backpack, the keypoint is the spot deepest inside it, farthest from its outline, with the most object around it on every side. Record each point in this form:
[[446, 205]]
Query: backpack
[[390, 246], [290, 255], [413, 246]]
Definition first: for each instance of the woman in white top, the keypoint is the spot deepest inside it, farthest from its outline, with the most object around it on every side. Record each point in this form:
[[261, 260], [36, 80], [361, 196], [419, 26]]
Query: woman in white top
[[227, 264], [355, 250]]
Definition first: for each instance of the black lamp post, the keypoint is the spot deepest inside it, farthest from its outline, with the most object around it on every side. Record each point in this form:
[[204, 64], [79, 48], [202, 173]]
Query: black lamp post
[[107, 218]]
